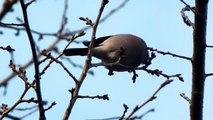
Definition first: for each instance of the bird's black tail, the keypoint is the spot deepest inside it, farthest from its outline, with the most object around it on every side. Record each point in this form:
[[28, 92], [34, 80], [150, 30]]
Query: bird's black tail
[[76, 51]]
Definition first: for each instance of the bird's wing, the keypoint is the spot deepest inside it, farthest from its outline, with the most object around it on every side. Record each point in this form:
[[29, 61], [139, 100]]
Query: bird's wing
[[97, 42]]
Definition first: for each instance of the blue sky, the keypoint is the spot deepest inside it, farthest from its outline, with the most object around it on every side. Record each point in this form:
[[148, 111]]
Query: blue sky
[[158, 22]]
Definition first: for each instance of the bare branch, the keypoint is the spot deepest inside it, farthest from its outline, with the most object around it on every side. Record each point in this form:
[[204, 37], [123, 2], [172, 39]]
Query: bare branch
[[53, 104], [152, 97], [160, 73], [169, 53], [104, 97], [10, 24]]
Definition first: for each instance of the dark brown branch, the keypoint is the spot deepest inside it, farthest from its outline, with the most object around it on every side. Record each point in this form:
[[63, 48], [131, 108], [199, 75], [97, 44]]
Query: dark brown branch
[[35, 60], [198, 63], [87, 63], [151, 98]]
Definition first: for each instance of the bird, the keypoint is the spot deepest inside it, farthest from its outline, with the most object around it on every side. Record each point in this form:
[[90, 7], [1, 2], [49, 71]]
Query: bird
[[120, 52]]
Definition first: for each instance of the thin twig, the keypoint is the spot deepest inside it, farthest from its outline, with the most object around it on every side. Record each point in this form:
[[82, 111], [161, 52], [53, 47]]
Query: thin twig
[[10, 24], [52, 104], [169, 53], [103, 97], [152, 97]]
